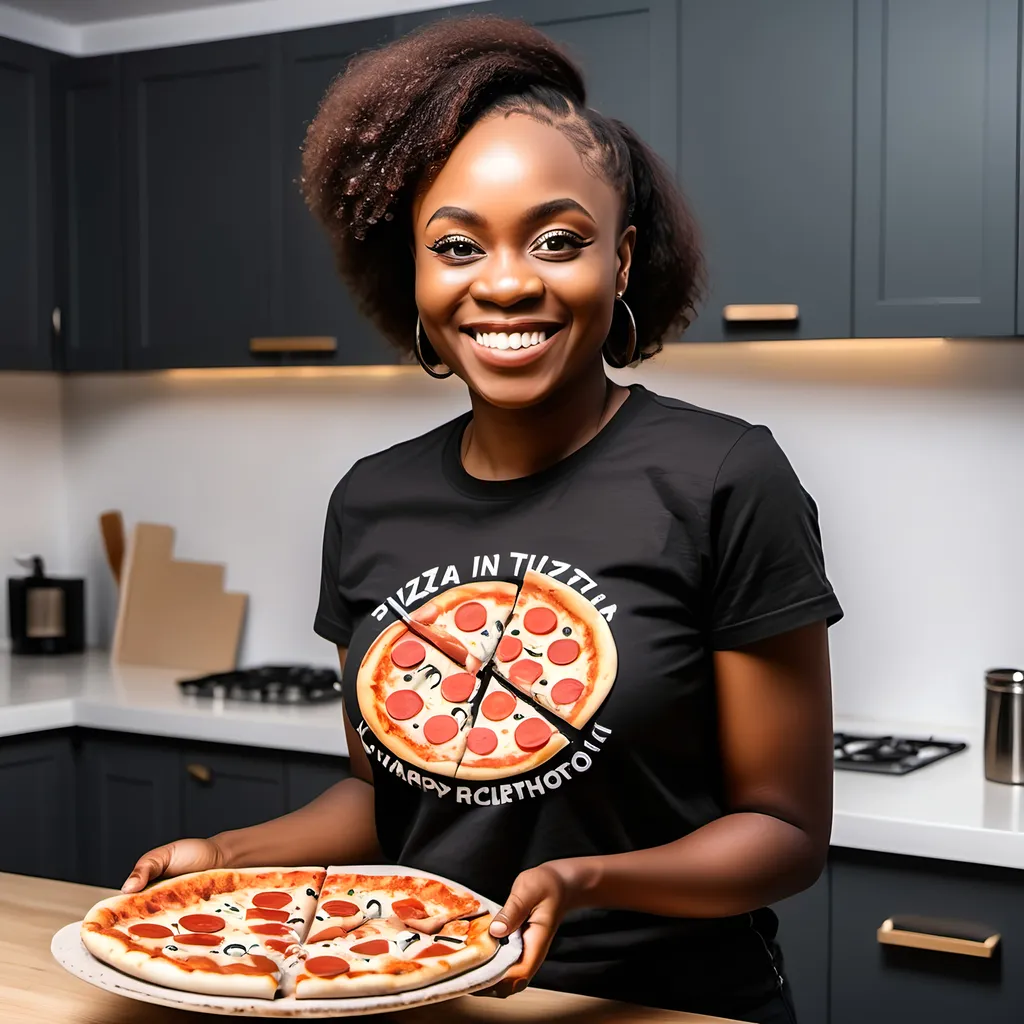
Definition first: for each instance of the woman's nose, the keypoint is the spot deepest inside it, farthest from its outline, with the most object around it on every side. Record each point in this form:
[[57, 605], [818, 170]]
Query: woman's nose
[[506, 280]]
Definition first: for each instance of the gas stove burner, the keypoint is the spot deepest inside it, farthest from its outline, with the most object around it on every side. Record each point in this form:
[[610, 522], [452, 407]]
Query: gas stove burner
[[889, 755], [268, 684]]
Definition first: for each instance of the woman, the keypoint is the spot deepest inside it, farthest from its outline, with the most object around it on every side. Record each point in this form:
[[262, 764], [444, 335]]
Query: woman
[[486, 219]]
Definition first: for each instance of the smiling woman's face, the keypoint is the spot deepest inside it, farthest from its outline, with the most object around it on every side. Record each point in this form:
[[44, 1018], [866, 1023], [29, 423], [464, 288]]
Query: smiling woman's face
[[519, 257]]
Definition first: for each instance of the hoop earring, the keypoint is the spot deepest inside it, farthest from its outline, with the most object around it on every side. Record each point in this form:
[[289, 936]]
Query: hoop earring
[[419, 356], [631, 353]]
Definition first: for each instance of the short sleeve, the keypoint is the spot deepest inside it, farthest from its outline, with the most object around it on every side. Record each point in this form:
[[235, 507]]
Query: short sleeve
[[333, 619], [769, 569]]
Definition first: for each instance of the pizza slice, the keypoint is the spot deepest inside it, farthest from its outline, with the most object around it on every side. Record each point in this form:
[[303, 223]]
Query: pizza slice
[[416, 700], [558, 649], [474, 614], [508, 737], [224, 932]]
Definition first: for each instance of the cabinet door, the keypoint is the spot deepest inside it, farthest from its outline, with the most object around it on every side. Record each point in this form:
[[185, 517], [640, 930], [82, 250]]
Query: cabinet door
[[88, 213], [202, 189], [306, 777], [315, 301], [37, 806], [26, 248], [766, 161], [891, 985], [936, 198], [130, 802], [803, 936], [228, 787]]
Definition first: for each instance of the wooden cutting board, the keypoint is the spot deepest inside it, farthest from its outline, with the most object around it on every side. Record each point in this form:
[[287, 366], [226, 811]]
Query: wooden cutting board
[[172, 613]]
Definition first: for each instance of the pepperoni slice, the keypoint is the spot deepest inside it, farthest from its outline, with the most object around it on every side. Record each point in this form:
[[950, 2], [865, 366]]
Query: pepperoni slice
[[261, 962], [279, 945], [435, 949], [497, 706], [372, 948], [270, 929], [482, 740], [532, 734], [563, 652], [326, 934], [540, 621], [408, 654], [326, 966], [150, 931], [440, 729], [426, 613], [274, 900], [340, 908], [566, 691], [526, 672], [202, 939], [459, 687], [410, 909], [510, 648], [263, 914], [403, 705], [201, 922], [471, 616]]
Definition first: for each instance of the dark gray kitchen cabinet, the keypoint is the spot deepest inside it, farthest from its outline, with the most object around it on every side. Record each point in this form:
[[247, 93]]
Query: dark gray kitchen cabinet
[[314, 301], [766, 163], [26, 244], [88, 212], [935, 224], [228, 788], [307, 776], [886, 984], [37, 806], [202, 186], [804, 938], [130, 801]]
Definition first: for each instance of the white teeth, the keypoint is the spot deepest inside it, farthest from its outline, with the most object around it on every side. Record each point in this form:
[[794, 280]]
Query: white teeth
[[501, 340]]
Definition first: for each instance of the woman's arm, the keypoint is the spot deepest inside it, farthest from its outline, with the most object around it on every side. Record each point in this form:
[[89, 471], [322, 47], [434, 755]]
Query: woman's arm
[[335, 828]]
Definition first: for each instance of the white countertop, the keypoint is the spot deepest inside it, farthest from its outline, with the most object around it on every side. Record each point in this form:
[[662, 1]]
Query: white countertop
[[946, 810], [88, 690]]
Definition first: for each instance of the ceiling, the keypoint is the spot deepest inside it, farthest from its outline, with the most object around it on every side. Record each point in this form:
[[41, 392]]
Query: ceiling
[[84, 12]]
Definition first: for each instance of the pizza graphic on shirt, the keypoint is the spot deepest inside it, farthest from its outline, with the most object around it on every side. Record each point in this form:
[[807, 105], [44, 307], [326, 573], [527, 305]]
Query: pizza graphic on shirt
[[487, 679]]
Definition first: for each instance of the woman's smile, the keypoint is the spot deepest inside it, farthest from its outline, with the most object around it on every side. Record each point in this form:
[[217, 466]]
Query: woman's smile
[[514, 343]]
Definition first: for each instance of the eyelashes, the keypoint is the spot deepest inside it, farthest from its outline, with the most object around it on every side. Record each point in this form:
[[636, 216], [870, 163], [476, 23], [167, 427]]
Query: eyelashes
[[572, 242]]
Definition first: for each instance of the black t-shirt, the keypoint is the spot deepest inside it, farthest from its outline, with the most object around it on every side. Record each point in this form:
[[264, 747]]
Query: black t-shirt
[[689, 532]]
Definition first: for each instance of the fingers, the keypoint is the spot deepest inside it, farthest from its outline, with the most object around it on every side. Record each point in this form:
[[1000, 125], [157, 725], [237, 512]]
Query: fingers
[[149, 866], [529, 888]]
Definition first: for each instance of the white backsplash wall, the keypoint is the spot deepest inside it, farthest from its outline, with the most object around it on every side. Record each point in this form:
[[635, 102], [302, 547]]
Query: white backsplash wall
[[913, 450], [33, 506]]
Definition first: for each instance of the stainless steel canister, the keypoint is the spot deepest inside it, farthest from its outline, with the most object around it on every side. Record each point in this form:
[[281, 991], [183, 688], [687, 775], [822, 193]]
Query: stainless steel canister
[[1004, 725]]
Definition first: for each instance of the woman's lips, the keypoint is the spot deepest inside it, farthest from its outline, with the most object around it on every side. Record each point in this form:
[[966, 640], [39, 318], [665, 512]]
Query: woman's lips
[[512, 357]]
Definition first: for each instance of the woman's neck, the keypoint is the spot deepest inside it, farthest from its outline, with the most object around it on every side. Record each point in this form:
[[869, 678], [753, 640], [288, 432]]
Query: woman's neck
[[504, 444]]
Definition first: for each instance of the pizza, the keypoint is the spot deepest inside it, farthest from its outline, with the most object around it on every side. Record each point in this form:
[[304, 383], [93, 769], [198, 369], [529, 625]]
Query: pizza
[[416, 699], [378, 934], [314, 932], [540, 651], [507, 737], [557, 649], [223, 932]]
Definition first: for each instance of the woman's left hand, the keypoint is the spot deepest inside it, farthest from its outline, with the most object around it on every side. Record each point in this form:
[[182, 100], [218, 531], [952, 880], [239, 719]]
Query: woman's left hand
[[537, 903]]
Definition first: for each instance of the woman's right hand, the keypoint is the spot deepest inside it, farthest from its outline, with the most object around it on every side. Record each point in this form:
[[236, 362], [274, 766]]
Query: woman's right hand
[[177, 858]]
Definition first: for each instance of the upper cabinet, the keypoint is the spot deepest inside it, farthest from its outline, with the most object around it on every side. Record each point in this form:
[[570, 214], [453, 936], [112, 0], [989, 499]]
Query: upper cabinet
[[936, 168], [202, 188], [766, 163], [26, 244], [88, 213]]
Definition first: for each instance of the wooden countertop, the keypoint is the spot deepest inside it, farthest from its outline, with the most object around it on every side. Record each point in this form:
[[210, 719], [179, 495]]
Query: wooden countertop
[[34, 987]]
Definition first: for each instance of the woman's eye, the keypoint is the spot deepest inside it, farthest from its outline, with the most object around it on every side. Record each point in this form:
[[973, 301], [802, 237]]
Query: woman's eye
[[560, 241], [459, 248]]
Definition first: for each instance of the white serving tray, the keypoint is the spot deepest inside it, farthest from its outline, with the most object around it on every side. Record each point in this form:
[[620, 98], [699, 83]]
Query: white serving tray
[[71, 954]]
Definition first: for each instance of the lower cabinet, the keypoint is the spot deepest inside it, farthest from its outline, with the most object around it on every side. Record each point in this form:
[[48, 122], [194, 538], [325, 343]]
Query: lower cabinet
[[803, 936], [890, 985]]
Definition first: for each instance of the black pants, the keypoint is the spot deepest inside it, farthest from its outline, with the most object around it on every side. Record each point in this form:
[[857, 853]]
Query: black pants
[[777, 1010]]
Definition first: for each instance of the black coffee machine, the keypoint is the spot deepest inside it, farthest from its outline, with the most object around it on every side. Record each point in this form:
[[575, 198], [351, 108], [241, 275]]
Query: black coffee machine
[[47, 613]]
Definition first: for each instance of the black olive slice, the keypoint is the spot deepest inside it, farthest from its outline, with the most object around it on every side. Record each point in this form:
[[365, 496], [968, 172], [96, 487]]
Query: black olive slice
[[311, 892], [370, 904], [235, 949]]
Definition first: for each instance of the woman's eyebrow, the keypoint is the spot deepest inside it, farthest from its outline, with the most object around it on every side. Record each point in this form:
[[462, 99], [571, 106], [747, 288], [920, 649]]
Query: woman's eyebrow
[[539, 212]]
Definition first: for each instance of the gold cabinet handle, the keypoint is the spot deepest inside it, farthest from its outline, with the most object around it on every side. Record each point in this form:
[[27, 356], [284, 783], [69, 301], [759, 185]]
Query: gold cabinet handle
[[199, 772], [982, 941], [277, 346], [738, 314]]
